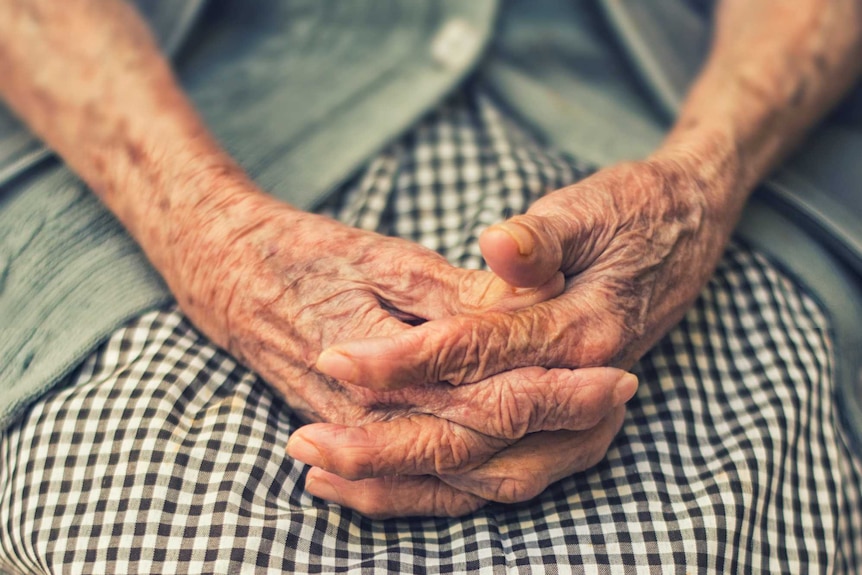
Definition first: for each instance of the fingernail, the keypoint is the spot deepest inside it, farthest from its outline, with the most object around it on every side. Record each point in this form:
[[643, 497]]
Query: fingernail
[[305, 451], [337, 365], [625, 388], [522, 237], [320, 487]]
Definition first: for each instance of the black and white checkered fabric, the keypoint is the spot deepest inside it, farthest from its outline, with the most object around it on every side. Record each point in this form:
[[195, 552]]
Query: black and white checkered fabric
[[162, 454]]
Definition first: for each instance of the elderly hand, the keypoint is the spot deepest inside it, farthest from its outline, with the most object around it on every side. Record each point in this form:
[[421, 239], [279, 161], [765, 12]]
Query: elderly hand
[[274, 286], [636, 243], [482, 444]]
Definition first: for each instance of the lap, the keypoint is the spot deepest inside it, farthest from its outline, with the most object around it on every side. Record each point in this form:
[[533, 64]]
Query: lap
[[162, 454]]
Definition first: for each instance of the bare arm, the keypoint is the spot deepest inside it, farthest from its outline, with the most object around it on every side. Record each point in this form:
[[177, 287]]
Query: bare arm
[[88, 78], [774, 70]]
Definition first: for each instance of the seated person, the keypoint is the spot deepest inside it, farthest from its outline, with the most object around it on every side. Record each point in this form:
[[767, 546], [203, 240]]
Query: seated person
[[488, 414]]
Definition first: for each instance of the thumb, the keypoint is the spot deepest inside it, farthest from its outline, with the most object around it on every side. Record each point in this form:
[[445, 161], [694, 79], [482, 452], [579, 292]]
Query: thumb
[[564, 231], [525, 251], [430, 288]]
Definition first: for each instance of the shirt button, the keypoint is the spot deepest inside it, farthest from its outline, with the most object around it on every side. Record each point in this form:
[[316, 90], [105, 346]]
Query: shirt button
[[455, 44]]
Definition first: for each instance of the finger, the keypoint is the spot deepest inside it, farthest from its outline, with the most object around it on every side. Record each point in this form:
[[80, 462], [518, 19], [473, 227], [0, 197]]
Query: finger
[[524, 470], [528, 400], [471, 348], [458, 349], [564, 231], [413, 445], [516, 474], [393, 496], [444, 290], [466, 430], [522, 255]]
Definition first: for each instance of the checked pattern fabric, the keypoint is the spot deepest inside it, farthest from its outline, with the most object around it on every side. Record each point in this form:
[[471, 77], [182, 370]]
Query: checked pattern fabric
[[160, 454]]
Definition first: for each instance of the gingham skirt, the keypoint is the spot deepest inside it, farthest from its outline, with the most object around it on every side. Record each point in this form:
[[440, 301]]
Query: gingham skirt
[[161, 454]]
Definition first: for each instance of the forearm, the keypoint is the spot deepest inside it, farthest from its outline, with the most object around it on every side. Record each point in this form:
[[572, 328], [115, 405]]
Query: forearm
[[88, 78], [775, 68]]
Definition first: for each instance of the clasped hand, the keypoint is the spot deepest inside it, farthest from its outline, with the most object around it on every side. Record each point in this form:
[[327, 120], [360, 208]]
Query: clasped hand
[[434, 389]]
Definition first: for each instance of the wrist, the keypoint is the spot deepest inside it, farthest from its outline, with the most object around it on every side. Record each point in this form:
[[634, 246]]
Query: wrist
[[189, 205], [714, 165]]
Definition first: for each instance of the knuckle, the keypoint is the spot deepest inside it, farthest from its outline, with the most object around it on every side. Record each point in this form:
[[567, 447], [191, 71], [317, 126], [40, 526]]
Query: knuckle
[[525, 400], [574, 407], [601, 343], [354, 466], [455, 453], [452, 342], [359, 456], [539, 334], [521, 486], [462, 450], [516, 413], [428, 446], [465, 355], [564, 229], [475, 291], [376, 498], [593, 452], [645, 175]]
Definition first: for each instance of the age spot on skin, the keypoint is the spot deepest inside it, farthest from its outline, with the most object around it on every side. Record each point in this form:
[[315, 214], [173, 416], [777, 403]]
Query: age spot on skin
[[799, 93], [820, 62], [135, 153], [690, 124], [99, 164]]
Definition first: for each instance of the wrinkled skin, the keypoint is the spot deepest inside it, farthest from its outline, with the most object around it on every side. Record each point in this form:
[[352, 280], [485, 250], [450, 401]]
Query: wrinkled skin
[[636, 243], [275, 286]]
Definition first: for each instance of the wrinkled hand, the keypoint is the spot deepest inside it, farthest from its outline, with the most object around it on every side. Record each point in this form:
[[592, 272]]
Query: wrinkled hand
[[431, 465], [636, 243], [275, 286]]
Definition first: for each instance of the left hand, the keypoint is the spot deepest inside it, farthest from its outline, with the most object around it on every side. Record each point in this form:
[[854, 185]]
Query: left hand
[[636, 243]]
